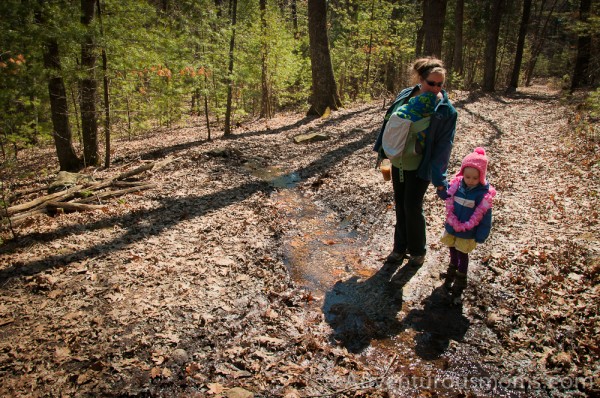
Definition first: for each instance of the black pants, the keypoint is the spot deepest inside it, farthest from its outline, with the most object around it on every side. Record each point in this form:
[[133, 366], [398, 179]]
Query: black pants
[[409, 234]]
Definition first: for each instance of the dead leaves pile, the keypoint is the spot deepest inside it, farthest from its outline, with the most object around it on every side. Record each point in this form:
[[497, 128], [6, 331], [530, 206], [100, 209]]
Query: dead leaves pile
[[537, 288], [180, 291], [543, 261]]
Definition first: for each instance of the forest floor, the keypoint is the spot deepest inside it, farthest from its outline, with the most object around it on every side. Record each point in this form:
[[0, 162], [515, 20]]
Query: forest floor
[[254, 268]]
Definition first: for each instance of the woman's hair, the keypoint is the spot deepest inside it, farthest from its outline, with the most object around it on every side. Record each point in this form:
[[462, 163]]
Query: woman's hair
[[423, 67]]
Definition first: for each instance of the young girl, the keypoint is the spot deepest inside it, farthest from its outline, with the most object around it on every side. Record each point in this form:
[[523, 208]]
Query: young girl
[[468, 218]]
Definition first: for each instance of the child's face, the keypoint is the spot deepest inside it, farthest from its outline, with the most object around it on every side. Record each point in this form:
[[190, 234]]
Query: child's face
[[471, 176]]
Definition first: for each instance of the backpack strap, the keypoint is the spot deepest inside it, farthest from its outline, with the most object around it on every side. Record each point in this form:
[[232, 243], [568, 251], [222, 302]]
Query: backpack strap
[[420, 125]]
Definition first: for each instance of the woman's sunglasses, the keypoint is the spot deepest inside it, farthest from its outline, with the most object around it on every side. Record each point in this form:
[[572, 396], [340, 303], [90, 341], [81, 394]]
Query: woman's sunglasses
[[433, 84]]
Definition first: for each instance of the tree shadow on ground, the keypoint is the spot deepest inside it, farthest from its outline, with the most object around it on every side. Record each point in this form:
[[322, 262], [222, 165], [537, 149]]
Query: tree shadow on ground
[[437, 323], [141, 224], [361, 311], [325, 122], [163, 152], [537, 96], [498, 132]]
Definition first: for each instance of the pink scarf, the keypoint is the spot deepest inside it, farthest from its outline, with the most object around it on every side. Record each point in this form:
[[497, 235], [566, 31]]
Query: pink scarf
[[482, 208]]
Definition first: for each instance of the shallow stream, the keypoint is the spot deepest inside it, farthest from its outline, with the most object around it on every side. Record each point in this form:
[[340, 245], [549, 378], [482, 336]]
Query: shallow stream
[[394, 315]]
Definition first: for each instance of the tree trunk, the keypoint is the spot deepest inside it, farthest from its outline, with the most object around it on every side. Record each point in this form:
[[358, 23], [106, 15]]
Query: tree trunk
[[266, 110], [206, 108], [324, 90], [370, 47], [421, 31], [106, 94], [67, 158], [514, 79], [89, 123], [227, 130], [434, 15], [491, 46], [294, 8], [390, 66], [59, 108], [581, 75], [457, 60], [538, 42]]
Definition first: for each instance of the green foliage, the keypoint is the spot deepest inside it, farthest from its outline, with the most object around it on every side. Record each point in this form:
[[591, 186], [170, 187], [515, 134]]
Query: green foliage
[[593, 103], [20, 109], [160, 62], [365, 39], [85, 193], [455, 81], [287, 65]]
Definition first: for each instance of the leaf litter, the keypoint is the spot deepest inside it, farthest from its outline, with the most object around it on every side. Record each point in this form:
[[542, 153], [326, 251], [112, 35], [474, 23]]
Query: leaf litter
[[183, 289]]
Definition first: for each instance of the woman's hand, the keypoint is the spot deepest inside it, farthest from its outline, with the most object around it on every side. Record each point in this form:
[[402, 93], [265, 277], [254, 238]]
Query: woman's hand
[[442, 192]]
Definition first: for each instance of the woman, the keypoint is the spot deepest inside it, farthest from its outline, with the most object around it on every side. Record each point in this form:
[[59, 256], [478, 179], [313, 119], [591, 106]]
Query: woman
[[419, 166]]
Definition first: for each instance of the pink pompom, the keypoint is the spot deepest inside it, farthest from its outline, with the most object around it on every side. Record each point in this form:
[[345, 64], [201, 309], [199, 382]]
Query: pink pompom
[[480, 150]]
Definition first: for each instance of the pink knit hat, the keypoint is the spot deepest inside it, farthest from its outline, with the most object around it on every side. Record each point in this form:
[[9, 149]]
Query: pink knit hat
[[477, 160]]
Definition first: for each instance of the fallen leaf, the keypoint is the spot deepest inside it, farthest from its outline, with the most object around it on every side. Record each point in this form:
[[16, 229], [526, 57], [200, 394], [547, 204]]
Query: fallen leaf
[[62, 352], [155, 372], [172, 337], [224, 262], [84, 378], [192, 368], [158, 358], [55, 293], [215, 388], [271, 341]]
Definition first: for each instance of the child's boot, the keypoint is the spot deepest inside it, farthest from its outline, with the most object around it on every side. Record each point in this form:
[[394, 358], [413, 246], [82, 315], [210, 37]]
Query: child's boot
[[460, 283], [449, 276]]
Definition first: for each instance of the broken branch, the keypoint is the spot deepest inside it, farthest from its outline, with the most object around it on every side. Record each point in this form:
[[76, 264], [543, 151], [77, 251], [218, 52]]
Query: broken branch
[[74, 206]]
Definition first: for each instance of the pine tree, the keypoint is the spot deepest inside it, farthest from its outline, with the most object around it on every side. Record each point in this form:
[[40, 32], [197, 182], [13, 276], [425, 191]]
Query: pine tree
[[324, 90]]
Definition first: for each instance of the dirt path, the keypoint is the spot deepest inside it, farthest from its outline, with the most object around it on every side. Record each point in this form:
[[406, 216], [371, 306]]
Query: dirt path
[[200, 286]]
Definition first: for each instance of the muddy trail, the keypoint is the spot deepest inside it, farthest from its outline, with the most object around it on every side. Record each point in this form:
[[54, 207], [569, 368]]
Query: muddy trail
[[255, 267]]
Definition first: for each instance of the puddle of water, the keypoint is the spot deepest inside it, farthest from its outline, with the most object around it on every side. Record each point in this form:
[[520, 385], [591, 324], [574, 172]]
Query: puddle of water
[[321, 250], [274, 175], [367, 312]]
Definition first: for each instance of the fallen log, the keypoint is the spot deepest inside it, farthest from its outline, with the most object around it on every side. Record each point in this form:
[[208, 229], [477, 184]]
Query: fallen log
[[149, 166], [73, 206], [133, 172], [17, 194], [40, 201], [19, 218], [70, 193], [62, 199], [126, 184], [111, 194]]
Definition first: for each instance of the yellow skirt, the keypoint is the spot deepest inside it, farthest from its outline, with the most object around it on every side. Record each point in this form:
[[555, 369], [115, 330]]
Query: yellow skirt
[[461, 244]]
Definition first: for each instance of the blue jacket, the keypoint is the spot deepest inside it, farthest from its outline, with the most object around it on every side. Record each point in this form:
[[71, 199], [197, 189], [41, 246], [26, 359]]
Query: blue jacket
[[465, 206], [438, 142]]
